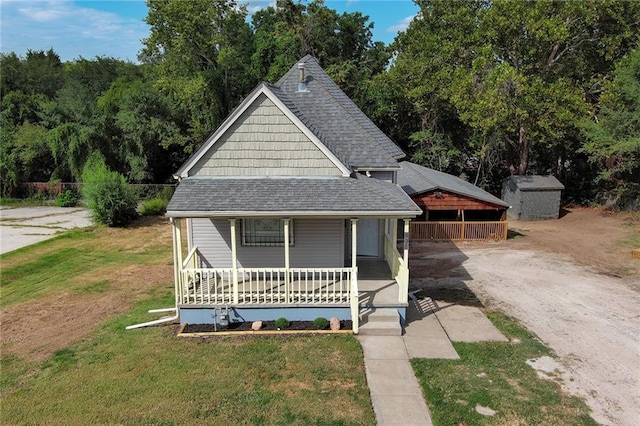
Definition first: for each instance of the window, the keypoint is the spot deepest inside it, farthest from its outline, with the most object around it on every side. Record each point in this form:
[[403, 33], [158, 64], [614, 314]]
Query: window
[[265, 232]]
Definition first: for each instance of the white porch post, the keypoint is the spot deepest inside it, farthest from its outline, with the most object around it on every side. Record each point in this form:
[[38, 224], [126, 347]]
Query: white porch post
[[404, 287], [355, 301], [394, 232], [354, 242], [286, 259], [234, 259], [177, 258]]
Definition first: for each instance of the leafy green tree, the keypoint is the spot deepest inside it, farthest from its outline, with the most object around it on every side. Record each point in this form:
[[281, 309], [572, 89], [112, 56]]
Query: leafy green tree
[[147, 130], [201, 49], [341, 42], [613, 136], [110, 198], [519, 76]]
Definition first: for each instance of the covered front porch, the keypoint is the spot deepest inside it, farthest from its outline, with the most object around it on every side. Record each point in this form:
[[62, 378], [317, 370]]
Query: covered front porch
[[360, 283]]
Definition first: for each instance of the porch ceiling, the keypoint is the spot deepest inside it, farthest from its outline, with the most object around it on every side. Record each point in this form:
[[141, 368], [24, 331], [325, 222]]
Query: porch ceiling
[[293, 196]]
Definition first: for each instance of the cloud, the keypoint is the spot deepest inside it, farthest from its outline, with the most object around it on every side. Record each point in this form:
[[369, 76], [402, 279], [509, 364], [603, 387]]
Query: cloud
[[400, 26], [71, 29]]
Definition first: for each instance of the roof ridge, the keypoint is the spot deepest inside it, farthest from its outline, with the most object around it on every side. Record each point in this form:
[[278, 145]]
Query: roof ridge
[[421, 173], [349, 116], [293, 107], [356, 114]]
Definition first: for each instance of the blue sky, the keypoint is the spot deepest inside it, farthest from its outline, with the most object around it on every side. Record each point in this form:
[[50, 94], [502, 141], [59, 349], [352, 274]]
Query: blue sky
[[115, 28]]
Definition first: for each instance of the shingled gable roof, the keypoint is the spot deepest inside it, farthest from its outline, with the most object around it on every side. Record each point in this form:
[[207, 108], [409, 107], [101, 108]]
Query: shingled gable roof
[[337, 127], [416, 179], [337, 121], [294, 196], [281, 101]]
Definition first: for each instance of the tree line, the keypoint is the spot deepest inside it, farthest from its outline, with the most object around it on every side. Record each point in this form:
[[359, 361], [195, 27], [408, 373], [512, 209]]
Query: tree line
[[477, 88]]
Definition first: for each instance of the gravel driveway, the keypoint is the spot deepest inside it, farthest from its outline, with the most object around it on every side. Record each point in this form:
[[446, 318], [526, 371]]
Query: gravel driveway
[[591, 321], [23, 226]]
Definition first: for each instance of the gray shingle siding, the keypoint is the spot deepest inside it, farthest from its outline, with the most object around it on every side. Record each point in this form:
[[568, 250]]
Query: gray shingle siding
[[264, 142]]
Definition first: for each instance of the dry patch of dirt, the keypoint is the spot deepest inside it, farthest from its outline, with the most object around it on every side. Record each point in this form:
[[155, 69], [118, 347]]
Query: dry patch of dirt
[[590, 237], [569, 281], [36, 329]]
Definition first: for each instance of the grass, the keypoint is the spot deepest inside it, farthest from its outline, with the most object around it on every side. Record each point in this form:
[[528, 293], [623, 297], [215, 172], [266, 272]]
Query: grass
[[149, 376], [25, 202], [495, 375], [76, 258]]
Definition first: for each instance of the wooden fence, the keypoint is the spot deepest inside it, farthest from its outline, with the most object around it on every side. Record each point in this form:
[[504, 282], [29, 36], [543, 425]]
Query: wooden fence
[[456, 231]]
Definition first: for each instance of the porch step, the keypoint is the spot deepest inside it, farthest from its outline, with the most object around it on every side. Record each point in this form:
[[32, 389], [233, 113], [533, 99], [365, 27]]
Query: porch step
[[380, 322]]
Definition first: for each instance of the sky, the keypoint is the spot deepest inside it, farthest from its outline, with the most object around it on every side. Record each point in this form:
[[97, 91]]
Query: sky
[[115, 28]]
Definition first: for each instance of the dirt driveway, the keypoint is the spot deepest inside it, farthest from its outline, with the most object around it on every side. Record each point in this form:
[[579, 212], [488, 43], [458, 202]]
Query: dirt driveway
[[572, 283]]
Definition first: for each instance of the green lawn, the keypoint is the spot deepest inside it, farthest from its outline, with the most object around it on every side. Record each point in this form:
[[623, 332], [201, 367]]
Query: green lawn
[[495, 375], [148, 376], [79, 258]]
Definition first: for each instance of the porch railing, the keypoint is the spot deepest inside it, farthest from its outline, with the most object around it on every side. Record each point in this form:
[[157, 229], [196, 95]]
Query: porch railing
[[267, 286], [398, 268], [456, 231]]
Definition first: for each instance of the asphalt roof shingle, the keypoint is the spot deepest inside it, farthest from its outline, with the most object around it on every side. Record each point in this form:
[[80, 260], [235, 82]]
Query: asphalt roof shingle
[[336, 120], [416, 179], [536, 183], [221, 195]]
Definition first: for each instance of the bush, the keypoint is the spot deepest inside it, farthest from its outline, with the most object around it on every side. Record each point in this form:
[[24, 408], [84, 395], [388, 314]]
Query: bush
[[166, 193], [111, 200], [67, 198], [321, 323], [153, 207], [282, 323]]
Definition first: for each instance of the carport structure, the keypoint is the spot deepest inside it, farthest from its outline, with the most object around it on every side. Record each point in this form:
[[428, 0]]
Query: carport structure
[[453, 209]]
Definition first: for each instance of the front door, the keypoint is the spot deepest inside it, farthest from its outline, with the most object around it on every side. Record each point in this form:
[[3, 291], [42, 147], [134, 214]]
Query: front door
[[368, 237]]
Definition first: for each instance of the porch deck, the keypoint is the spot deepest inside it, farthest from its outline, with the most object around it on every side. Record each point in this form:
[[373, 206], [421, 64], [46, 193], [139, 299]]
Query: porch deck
[[376, 286]]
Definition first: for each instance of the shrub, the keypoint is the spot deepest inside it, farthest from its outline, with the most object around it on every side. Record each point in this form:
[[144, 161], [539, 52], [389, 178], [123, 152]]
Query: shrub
[[67, 198], [111, 200], [282, 323], [153, 207], [166, 193], [321, 323]]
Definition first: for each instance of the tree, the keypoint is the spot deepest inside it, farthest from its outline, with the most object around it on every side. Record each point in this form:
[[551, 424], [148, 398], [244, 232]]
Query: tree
[[613, 136], [519, 75], [202, 50], [149, 138], [341, 43]]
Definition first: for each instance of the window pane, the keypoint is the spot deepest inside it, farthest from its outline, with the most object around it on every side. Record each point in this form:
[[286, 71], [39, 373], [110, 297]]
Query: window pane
[[265, 232]]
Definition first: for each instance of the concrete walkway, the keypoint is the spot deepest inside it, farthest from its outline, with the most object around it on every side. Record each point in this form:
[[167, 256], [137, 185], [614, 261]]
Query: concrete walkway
[[23, 226], [395, 393]]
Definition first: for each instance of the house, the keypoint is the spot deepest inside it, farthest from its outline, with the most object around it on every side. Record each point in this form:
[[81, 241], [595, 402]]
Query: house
[[291, 209], [532, 197], [453, 209]]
